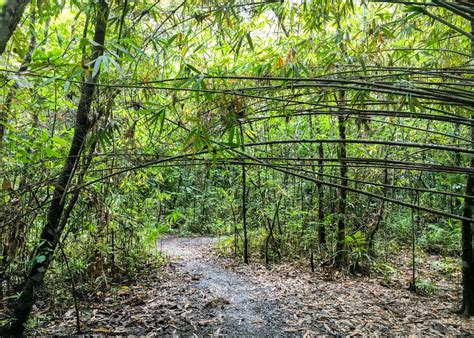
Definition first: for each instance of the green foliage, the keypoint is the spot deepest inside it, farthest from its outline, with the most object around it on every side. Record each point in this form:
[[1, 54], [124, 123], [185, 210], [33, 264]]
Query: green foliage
[[388, 272], [448, 266], [357, 249], [441, 238], [426, 287], [437, 238], [189, 94]]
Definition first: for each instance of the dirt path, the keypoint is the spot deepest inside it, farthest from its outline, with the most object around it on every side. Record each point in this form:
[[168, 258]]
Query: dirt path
[[241, 306], [199, 293], [254, 300]]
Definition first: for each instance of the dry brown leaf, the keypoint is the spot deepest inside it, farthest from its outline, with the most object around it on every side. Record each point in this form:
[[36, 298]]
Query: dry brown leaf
[[101, 330]]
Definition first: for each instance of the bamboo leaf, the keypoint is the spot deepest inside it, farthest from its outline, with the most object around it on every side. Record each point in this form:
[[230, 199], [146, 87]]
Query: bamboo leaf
[[249, 40]]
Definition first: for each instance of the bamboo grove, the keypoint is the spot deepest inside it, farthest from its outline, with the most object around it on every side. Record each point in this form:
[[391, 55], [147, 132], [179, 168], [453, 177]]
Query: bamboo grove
[[315, 129]]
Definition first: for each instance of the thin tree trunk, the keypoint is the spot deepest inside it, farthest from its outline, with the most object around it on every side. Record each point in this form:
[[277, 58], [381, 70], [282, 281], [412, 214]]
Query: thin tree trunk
[[341, 225], [244, 200], [378, 221], [52, 231], [270, 231], [10, 15], [322, 229], [311, 208], [341, 219], [457, 162]]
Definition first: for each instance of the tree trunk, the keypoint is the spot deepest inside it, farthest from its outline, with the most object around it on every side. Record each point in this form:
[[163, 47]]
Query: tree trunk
[[467, 250], [341, 225], [10, 15], [322, 229], [244, 200], [52, 230], [373, 231], [458, 163], [468, 231]]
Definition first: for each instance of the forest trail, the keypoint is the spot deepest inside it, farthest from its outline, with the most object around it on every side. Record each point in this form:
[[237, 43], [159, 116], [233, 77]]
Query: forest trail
[[239, 305], [197, 292]]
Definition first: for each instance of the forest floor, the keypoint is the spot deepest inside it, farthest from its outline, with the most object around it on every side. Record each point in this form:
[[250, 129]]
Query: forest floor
[[200, 293]]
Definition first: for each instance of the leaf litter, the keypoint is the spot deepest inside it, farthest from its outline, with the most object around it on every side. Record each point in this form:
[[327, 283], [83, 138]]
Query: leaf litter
[[200, 293]]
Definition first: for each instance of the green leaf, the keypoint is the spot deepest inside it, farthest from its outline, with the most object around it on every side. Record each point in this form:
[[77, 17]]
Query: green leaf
[[117, 67], [67, 84], [362, 64], [162, 121], [105, 62], [40, 258], [191, 67], [59, 37], [83, 42], [249, 40], [93, 43], [231, 135], [120, 48], [171, 39], [415, 9], [97, 64]]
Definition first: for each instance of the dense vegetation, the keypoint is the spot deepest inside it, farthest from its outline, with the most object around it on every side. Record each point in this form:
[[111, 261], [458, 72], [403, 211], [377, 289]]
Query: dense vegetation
[[334, 132]]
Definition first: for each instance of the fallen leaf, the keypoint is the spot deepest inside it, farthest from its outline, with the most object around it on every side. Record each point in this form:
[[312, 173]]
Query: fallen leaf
[[101, 330]]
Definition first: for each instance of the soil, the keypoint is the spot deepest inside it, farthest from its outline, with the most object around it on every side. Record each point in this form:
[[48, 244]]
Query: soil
[[200, 293], [241, 305]]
